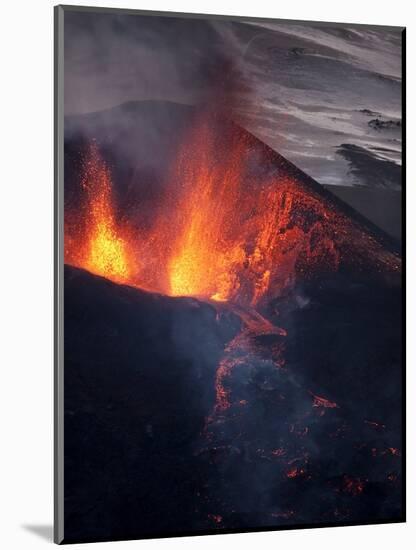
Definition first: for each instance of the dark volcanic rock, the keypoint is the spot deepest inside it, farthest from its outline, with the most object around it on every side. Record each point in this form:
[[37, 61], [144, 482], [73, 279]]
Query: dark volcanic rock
[[139, 383], [318, 439]]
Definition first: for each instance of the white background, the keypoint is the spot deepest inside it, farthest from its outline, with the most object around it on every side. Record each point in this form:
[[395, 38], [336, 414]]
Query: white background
[[26, 271]]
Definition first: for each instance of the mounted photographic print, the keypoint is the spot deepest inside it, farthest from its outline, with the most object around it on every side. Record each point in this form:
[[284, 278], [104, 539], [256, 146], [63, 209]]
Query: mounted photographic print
[[229, 282]]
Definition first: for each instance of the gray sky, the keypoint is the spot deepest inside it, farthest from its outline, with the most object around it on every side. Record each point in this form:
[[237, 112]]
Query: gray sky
[[315, 94]]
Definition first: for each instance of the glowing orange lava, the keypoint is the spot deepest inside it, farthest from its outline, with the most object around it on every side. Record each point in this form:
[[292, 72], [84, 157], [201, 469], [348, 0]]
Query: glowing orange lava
[[102, 245], [322, 402], [235, 232], [235, 223], [205, 256]]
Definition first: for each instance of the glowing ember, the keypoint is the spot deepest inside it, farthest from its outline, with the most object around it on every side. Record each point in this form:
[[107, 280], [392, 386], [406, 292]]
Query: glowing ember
[[295, 472], [322, 402], [393, 451], [353, 486], [216, 518]]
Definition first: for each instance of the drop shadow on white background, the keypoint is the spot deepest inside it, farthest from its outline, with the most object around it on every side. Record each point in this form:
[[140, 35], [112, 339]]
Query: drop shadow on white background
[[42, 530]]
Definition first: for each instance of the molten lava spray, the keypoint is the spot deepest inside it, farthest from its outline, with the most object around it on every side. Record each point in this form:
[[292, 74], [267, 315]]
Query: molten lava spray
[[235, 236], [236, 223], [100, 244], [205, 256]]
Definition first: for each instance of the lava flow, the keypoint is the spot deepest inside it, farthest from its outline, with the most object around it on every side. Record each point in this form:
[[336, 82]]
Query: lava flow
[[244, 349]]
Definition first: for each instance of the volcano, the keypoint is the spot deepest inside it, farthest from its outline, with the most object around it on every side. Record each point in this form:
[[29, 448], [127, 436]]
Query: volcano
[[233, 220], [232, 338]]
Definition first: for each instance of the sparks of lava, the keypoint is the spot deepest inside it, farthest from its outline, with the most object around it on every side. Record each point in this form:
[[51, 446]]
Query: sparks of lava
[[100, 245], [236, 236], [226, 228]]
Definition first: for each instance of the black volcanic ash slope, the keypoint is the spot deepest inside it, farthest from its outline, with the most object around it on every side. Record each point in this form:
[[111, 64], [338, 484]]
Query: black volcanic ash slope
[[139, 380], [316, 441]]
